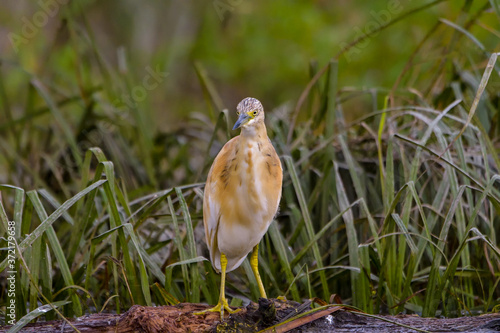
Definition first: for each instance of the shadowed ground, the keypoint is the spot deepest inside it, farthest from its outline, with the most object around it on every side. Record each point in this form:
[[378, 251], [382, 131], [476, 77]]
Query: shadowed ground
[[258, 317]]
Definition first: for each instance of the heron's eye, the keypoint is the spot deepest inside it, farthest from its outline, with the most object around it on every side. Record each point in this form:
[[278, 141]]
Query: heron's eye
[[255, 113], [237, 113]]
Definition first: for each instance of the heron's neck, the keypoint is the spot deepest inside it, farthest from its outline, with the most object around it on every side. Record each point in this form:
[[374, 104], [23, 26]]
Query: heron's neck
[[255, 132]]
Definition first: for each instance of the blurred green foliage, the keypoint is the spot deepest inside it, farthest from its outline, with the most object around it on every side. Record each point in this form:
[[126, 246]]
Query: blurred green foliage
[[258, 48]]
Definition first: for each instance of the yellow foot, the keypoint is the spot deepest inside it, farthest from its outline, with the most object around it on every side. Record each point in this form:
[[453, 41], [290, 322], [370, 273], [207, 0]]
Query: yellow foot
[[220, 307]]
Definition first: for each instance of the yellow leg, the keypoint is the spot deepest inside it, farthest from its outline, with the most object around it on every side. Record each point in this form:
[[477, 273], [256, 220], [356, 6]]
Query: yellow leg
[[222, 305], [254, 262]]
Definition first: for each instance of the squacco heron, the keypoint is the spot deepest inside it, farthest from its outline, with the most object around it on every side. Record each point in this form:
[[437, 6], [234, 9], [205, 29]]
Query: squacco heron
[[242, 195]]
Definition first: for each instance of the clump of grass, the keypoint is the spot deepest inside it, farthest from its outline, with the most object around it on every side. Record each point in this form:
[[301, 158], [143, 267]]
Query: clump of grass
[[398, 211]]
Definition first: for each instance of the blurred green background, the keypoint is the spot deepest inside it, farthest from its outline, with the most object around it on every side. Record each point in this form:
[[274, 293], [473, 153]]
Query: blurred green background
[[248, 48]]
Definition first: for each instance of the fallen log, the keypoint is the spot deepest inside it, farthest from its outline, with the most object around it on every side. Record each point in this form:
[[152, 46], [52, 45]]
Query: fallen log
[[284, 315]]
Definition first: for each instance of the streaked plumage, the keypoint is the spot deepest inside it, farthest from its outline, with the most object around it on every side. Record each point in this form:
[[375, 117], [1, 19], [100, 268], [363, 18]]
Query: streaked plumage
[[242, 194]]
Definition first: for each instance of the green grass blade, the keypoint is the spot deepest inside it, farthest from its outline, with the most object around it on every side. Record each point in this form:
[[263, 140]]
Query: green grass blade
[[52, 218], [116, 220], [308, 222], [482, 86], [168, 299], [195, 273], [359, 284], [58, 252], [320, 234], [332, 98], [60, 120], [382, 172], [279, 246], [40, 311], [79, 229], [209, 90], [182, 252], [144, 280]]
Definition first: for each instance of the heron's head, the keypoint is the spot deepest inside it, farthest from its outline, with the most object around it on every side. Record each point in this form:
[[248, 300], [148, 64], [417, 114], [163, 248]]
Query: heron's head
[[250, 112]]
